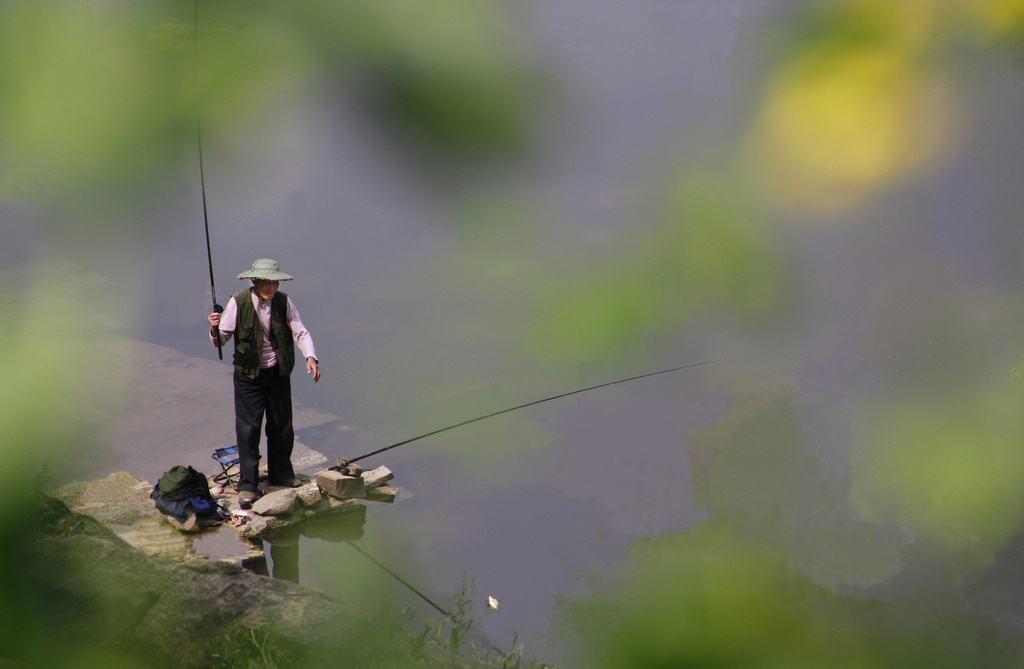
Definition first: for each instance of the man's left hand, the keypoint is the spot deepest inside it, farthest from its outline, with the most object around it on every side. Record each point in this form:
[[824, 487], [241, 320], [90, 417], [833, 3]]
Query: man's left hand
[[313, 368]]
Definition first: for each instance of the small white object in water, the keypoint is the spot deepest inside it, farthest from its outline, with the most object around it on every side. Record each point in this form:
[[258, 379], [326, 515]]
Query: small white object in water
[[493, 603]]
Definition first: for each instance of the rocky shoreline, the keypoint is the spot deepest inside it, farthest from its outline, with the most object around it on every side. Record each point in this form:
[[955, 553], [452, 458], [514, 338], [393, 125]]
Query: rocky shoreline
[[122, 503], [146, 590]]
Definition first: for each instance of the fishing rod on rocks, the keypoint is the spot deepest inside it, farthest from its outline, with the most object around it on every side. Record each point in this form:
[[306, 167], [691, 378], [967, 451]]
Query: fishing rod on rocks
[[202, 181], [342, 464]]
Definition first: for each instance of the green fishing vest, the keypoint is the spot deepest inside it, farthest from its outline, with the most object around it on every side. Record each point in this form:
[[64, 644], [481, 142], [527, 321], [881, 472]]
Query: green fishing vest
[[249, 335]]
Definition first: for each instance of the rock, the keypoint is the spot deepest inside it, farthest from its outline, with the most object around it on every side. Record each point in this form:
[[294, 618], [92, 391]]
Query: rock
[[309, 495], [269, 527], [136, 607], [217, 567], [384, 493], [377, 477], [255, 526], [339, 486], [229, 567], [191, 523], [342, 506], [278, 503]]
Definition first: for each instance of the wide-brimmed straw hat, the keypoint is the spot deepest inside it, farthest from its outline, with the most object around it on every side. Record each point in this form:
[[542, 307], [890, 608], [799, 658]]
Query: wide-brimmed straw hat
[[265, 268]]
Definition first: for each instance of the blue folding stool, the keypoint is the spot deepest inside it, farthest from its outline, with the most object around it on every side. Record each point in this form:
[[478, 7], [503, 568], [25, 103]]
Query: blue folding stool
[[227, 458]]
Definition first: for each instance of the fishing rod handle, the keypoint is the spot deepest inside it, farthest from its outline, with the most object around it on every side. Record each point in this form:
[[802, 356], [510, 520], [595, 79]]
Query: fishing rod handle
[[220, 349]]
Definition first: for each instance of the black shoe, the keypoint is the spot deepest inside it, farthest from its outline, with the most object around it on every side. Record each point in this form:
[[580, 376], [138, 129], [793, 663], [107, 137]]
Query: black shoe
[[246, 499], [289, 483]]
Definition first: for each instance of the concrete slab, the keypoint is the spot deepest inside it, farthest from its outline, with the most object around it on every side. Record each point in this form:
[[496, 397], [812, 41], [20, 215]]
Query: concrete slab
[[121, 501], [161, 408]]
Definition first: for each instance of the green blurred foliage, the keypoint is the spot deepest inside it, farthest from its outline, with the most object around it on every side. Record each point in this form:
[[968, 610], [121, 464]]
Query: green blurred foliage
[[109, 101], [805, 563], [765, 482], [87, 110], [446, 72], [707, 256], [712, 598], [52, 396], [727, 603], [947, 465]]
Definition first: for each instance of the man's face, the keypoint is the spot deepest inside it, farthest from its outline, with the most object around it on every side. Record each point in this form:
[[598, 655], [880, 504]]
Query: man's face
[[265, 289]]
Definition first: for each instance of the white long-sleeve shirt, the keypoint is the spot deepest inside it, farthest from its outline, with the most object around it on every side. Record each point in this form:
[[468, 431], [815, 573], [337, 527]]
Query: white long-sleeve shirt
[[229, 321]]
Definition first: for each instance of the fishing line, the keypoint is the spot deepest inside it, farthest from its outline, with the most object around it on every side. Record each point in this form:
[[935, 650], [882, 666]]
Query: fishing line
[[447, 614], [202, 177], [521, 406]]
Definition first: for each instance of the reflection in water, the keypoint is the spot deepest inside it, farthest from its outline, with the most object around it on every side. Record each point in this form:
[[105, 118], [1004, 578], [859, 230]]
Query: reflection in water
[[285, 558], [284, 544], [348, 527]]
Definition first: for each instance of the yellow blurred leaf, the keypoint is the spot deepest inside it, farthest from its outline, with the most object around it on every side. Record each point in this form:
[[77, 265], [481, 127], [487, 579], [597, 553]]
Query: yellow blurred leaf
[[996, 18], [836, 128]]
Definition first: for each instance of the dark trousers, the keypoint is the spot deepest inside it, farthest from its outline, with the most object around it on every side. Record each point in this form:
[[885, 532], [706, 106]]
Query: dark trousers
[[269, 393]]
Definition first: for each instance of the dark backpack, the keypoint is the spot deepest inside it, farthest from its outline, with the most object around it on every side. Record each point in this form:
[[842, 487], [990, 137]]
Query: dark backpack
[[181, 491], [180, 482]]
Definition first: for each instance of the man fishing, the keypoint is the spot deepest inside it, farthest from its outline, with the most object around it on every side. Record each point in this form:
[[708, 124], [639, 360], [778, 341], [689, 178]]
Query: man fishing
[[266, 328]]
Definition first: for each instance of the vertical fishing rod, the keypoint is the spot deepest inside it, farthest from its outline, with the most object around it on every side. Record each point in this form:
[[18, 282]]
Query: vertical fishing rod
[[202, 177], [206, 222]]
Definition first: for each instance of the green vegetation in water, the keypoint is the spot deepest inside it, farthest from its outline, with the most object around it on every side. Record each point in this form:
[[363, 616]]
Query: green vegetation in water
[[514, 659], [454, 631], [459, 621], [448, 642], [385, 641], [254, 647]]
